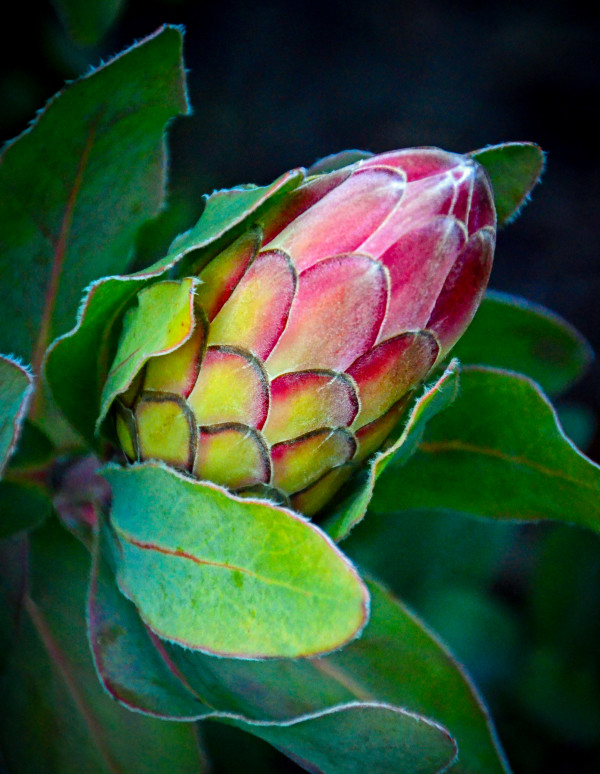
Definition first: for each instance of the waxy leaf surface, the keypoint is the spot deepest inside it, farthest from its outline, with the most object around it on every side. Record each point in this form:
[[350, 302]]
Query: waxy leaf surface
[[509, 332], [230, 576], [50, 683], [499, 452], [354, 505], [16, 386], [514, 169], [395, 661], [76, 186]]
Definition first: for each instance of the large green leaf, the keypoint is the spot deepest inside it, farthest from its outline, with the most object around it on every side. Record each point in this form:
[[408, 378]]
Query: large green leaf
[[514, 169], [498, 452], [396, 662], [16, 386], [228, 575], [78, 184], [55, 716], [354, 504], [368, 737], [509, 332], [78, 363]]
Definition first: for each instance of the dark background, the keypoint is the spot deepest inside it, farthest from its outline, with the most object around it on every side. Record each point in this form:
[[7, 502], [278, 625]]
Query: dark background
[[277, 85]]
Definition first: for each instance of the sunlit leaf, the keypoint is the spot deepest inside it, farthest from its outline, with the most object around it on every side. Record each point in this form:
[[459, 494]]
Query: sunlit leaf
[[228, 575]]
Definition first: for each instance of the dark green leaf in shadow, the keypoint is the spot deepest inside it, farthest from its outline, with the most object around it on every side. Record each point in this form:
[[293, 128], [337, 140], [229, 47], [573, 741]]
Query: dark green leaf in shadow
[[514, 169], [87, 23], [16, 386], [361, 737], [78, 363], [509, 332], [226, 575], [355, 498], [22, 507], [78, 184], [55, 716], [498, 452]]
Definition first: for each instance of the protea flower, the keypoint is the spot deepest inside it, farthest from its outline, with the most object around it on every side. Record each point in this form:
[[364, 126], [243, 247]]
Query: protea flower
[[314, 327]]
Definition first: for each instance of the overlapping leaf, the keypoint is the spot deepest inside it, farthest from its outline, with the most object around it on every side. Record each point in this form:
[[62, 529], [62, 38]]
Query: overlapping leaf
[[77, 364], [226, 575], [509, 332], [396, 662], [499, 452], [16, 386], [55, 715], [514, 169], [78, 184]]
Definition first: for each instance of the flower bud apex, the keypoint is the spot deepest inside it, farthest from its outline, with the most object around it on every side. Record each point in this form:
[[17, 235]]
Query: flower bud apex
[[314, 327]]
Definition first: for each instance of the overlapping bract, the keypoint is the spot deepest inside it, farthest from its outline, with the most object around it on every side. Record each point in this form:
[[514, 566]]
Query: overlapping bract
[[313, 328]]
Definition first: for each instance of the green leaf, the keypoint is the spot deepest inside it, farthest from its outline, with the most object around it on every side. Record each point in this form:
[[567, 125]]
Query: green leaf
[[55, 716], [162, 321], [22, 507], [362, 737], [78, 184], [77, 363], [396, 661], [514, 169], [228, 575], [354, 505], [127, 661], [87, 23], [511, 333], [498, 452], [16, 387]]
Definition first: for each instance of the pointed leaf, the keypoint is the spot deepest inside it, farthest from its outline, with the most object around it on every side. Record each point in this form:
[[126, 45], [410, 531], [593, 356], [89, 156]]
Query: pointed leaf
[[353, 507], [509, 332], [226, 575], [76, 186], [503, 434], [55, 715], [16, 386], [514, 169], [362, 737], [78, 362]]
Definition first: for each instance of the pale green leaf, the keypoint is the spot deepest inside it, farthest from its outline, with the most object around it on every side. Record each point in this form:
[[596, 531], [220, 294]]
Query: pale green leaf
[[228, 575]]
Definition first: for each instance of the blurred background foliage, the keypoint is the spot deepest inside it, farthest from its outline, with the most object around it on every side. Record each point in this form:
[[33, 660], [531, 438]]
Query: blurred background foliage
[[277, 85]]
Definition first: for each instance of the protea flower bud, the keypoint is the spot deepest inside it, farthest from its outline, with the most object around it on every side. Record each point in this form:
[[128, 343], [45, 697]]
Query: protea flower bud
[[313, 328]]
